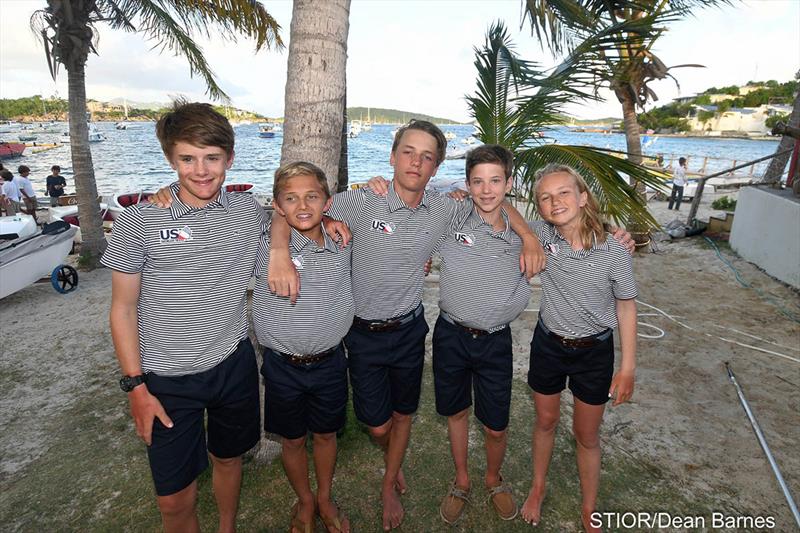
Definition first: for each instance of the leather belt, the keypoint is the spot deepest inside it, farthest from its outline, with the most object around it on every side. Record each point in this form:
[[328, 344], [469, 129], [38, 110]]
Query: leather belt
[[475, 332], [577, 342], [390, 324], [300, 360]]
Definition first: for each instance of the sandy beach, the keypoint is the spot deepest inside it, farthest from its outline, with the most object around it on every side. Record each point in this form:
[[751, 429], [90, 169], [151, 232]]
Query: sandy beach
[[685, 416]]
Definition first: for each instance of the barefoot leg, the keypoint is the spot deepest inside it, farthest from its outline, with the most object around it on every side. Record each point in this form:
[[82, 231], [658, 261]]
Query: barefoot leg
[[544, 432]]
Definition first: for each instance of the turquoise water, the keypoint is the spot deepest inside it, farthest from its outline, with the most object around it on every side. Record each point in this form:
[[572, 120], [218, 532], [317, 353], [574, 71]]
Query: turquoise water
[[132, 159]]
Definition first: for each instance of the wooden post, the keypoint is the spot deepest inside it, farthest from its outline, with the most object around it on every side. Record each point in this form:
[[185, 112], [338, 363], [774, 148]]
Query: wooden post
[[705, 164], [732, 166]]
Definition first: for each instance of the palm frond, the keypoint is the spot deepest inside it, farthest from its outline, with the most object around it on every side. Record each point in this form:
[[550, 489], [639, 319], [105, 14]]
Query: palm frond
[[604, 171]]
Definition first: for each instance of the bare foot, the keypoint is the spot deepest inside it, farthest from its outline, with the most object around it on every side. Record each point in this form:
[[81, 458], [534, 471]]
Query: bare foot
[[588, 526], [531, 510], [303, 517], [392, 509], [400, 484], [329, 512]]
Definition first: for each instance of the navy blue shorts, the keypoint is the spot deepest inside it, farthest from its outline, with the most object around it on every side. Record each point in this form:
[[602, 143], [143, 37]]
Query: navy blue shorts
[[461, 362], [303, 398], [229, 394], [589, 369], [386, 370]]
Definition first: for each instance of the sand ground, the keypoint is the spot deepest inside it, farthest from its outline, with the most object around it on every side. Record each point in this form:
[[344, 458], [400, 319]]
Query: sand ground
[[685, 415]]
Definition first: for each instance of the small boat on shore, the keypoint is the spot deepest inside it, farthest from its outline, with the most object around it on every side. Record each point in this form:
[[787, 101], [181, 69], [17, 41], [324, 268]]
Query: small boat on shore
[[28, 254], [69, 214], [9, 150], [126, 199]]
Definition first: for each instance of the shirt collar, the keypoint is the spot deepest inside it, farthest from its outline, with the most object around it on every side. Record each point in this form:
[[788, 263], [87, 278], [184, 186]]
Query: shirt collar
[[396, 203], [179, 209], [554, 236], [298, 241], [475, 220]]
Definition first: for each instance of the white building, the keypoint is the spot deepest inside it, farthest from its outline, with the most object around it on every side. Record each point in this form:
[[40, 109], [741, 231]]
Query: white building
[[746, 120]]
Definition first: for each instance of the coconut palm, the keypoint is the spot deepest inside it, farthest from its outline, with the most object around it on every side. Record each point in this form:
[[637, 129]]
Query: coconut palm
[[314, 107], [69, 31], [625, 62], [515, 101]]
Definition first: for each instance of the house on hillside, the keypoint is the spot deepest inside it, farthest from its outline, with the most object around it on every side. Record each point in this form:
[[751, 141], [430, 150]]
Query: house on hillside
[[738, 120]]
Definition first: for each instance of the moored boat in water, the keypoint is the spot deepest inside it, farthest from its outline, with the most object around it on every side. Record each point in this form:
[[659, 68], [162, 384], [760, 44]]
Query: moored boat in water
[[9, 150]]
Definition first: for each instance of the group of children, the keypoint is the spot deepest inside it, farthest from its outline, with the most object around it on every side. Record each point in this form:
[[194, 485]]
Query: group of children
[[17, 193], [179, 319]]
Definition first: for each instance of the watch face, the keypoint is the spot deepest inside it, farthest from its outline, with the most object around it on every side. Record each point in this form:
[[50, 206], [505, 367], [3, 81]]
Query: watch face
[[128, 383]]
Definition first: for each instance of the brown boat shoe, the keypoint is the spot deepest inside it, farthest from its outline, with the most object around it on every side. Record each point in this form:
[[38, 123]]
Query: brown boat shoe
[[502, 499], [453, 504]]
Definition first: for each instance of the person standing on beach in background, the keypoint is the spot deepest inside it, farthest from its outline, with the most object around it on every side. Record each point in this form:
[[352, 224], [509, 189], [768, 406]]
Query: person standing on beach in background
[[10, 193], [179, 319], [679, 181], [26, 188], [393, 237], [55, 185], [588, 289]]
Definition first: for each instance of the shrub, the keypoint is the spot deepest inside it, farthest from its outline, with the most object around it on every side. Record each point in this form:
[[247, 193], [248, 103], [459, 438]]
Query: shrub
[[724, 203]]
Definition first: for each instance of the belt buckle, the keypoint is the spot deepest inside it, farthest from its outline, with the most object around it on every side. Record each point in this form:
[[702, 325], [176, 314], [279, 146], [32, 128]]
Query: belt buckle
[[387, 325]]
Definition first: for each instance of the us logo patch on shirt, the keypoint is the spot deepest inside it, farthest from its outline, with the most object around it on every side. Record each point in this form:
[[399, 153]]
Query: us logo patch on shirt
[[183, 234], [467, 239], [298, 261], [382, 226], [552, 247]]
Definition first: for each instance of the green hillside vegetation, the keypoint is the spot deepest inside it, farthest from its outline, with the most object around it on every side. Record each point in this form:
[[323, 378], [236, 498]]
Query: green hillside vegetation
[[47, 108], [671, 117], [393, 116]]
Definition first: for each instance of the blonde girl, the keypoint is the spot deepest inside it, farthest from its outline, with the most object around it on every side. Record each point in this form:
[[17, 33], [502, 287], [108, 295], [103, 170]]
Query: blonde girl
[[588, 290]]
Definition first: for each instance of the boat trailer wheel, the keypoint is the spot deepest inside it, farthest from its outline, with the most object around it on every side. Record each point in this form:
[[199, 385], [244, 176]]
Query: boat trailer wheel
[[64, 278]]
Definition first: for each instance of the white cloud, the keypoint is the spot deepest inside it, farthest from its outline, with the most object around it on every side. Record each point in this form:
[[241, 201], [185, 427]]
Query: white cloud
[[410, 55]]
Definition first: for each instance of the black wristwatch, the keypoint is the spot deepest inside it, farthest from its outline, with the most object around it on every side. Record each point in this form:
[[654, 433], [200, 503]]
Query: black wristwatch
[[128, 383]]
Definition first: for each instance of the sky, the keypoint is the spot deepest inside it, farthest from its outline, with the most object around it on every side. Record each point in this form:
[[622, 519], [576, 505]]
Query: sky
[[411, 55]]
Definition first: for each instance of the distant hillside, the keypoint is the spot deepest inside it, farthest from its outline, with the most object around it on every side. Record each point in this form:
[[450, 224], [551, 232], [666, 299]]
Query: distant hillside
[[393, 116]]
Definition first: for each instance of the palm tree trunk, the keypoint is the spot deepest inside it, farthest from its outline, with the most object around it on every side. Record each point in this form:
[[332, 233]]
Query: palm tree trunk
[[632, 140], [778, 164], [344, 175], [315, 85], [639, 232], [94, 242]]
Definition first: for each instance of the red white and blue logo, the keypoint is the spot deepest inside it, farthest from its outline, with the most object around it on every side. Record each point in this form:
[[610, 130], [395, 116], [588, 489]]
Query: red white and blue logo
[[383, 226], [467, 239], [183, 234]]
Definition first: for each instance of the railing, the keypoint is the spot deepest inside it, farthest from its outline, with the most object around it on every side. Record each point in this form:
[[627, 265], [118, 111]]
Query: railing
[[701, 183]]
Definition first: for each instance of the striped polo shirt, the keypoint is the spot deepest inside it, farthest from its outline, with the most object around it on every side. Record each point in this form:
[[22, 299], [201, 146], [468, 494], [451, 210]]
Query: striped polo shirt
[[391, 243], [580, 287], [324, 309], [480, 283], [195, 265]]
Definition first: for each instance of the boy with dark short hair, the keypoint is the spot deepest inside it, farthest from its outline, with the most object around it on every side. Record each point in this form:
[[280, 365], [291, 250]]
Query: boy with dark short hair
[[179, 319], [55, 185], [305, 368], [481, 291]]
